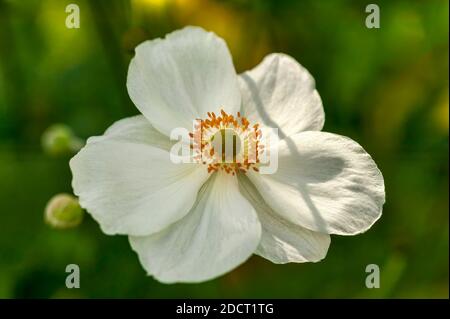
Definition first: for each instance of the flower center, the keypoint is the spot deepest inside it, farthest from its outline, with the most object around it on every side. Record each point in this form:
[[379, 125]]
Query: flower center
[[226, 143]]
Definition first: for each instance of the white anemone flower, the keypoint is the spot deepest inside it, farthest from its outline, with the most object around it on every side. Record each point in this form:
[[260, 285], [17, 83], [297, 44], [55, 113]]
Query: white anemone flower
[[191, 222]]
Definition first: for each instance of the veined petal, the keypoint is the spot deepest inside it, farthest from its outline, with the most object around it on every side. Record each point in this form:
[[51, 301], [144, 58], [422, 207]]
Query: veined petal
[[282, 241], [324, 182], [220, 232], [280, 93], [180, 78], [127, 182]]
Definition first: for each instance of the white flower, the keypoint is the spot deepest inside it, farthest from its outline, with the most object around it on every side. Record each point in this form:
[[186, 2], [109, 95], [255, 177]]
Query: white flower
[[189, 223]]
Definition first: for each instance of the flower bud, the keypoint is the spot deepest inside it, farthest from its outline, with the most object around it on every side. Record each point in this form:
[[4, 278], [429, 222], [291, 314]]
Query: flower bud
[[59, 139], [63, 211]]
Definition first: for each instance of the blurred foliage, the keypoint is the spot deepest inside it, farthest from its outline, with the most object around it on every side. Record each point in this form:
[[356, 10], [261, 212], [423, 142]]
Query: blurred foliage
[[386, 88]]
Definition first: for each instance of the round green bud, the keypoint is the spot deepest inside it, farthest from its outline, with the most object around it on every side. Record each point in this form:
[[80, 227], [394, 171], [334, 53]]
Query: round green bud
[[63, 211], [59, 139]]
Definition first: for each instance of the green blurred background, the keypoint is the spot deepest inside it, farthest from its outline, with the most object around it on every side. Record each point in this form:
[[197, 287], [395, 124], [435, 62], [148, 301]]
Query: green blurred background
[[386, 88]]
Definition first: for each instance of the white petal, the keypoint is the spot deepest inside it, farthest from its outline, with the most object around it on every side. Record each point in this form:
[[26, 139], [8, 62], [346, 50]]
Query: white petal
[[219, 233], [126, 181], [136, 129], [280, 93], [180, 78], [282, 241], [324, 182]]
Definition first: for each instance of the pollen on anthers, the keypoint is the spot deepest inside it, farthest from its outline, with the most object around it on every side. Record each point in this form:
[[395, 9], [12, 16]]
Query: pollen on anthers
[[227, 143]]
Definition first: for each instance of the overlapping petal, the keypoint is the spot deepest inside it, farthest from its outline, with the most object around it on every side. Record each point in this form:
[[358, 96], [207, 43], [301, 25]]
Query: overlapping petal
[[280, 93], [324, 182], [127, 182], [180, 78], [220, 232], [282, 241]]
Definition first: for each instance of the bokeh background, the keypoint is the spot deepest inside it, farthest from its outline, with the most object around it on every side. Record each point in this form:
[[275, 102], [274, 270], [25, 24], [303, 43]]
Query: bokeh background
[[386, 88]]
